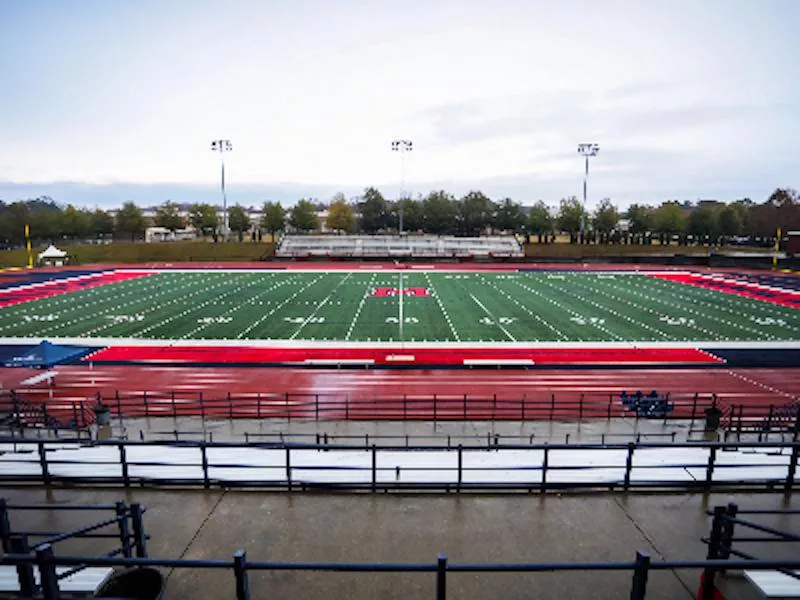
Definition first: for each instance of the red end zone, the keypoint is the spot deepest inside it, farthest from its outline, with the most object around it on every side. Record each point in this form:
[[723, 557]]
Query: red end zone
[[409, 356], [36, 291], [745, 289]]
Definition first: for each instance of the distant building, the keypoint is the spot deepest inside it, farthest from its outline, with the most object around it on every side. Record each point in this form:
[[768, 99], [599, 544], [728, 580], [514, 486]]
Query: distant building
[[162, 234]]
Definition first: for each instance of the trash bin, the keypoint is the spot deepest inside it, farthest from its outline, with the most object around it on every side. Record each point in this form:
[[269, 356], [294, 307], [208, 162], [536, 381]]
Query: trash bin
[[145, 583], [713, 418]]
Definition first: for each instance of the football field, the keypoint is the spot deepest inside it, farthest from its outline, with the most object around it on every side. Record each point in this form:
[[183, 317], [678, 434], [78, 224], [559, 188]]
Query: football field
[[401, 306]]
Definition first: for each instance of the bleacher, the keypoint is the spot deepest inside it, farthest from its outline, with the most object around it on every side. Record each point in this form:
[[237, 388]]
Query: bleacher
[[344, 246]]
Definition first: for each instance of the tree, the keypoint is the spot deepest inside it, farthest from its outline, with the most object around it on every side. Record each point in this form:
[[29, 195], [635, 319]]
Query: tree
[[15, 217], [703, 221], [273, 217], [74, 223], [606, 217], [570, 214], [303, 216], [539, 219], [204, 218], [374, 211], [238, 220], [509, 216], [729, 221], [340, 215], [669, 220], [640, 218], [167, 216], [413, 214], [130, 220], [101, 223], [439, 212], [475, 213]]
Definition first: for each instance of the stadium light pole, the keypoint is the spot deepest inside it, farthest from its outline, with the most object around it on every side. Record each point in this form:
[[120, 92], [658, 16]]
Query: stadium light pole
[[586, 150], [402, 146], [223, 146]]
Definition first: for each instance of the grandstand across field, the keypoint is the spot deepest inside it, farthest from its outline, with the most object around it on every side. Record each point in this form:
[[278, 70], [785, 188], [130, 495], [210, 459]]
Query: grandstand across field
[[425, 246]]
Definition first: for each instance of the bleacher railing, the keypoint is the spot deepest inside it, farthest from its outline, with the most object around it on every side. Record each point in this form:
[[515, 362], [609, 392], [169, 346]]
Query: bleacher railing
[[130, 538], [441, 569], [726, 529], [306, 467]]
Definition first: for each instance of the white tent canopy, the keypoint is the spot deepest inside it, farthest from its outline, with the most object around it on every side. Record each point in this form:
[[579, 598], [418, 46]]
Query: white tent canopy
[[52, 252]]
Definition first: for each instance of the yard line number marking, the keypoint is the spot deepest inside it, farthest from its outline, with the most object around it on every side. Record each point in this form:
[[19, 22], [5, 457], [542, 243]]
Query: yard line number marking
[[492, 317], [320, 305]]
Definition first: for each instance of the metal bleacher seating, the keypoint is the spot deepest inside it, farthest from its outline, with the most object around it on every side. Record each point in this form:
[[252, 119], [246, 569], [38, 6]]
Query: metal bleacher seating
[[292, 246]]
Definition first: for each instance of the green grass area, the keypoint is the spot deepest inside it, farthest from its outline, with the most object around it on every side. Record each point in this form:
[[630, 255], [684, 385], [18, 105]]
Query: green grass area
[[567, 250], [402, 306], [139, 252]]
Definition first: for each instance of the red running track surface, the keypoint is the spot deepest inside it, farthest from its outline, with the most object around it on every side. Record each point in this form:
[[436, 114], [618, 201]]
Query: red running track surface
[[233, 355], [383, 390]]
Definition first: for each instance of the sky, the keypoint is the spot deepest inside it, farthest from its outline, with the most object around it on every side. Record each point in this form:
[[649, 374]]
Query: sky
[[108, 101]]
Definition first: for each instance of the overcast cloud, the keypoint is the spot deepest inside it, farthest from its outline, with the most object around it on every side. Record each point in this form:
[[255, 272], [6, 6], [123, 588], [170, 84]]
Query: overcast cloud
[[105, 102]]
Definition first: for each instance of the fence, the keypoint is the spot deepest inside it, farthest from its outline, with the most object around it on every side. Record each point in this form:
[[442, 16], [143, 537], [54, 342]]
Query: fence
[[441, 569], [527, 468], [19, 412], [726, 521], [736, 419], [126, 518], [400, 407]]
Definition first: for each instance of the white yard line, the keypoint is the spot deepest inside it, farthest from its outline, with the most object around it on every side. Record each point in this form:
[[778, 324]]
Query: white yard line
[[684, 309], [115, 307], [738, 303], [442, 308], [360, 307], [320, 305], [620, 315], [494, 319], [239, 307], [225, 284], [548, 299], [552, 328], [258, 322], [400, 307]]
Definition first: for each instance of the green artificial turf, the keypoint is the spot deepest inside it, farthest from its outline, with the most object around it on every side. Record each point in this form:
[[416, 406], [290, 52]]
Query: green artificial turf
[[338, 305]]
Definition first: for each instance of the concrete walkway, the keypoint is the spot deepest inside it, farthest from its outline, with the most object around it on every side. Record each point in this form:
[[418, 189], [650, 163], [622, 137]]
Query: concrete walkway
[[619, 430], [394, 528]]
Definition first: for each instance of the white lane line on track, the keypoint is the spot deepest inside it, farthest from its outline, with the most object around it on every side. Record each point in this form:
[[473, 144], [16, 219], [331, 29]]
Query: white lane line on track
[[774, 390]]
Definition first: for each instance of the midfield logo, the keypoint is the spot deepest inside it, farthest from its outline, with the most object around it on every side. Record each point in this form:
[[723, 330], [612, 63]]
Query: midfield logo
[[383, 292]]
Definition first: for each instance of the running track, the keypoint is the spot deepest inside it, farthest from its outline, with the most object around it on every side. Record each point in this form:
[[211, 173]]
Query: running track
[[753, 388]]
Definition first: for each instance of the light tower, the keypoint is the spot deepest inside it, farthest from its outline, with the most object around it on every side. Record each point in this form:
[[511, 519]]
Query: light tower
[[402, 146], [586, 150], [223, 146]]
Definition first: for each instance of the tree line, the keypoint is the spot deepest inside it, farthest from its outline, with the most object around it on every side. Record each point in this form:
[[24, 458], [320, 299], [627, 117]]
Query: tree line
[[475, 213], [437, 213]]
